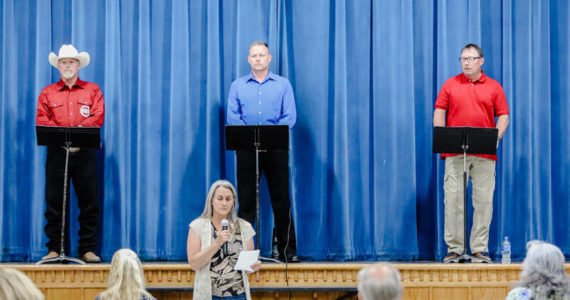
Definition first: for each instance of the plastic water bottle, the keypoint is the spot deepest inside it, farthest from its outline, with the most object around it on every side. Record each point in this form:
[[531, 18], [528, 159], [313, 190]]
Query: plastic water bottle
[[506, 251]]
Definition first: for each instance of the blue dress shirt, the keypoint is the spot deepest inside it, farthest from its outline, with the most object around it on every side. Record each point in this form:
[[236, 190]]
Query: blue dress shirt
[[270, 102]]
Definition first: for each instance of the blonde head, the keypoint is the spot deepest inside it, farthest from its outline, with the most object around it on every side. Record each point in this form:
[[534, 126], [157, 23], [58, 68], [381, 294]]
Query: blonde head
[[15, 285], [209, 211], [126, 278]]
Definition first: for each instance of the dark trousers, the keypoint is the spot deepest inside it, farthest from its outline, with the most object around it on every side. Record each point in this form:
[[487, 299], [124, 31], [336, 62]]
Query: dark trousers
[[275, 165], [82, 172]]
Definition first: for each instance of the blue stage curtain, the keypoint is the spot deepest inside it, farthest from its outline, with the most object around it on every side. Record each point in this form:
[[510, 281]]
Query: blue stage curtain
[[365, 185]]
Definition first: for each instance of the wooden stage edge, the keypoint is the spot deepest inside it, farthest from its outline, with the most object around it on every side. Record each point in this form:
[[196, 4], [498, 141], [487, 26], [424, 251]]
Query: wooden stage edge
[[305, 280]]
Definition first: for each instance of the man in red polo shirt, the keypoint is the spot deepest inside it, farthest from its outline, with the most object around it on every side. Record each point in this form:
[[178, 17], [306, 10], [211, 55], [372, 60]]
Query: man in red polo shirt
[[71, 102], [470, 99]]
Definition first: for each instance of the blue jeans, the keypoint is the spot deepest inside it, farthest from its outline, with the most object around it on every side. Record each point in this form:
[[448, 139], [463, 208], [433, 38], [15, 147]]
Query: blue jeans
[[238, 297]]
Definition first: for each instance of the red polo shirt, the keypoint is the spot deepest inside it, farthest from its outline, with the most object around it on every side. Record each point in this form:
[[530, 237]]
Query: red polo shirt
[[472, 103], [83, 104]]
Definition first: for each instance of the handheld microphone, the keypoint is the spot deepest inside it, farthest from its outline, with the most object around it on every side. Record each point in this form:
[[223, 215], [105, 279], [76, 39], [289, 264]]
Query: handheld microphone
[[225, 224]]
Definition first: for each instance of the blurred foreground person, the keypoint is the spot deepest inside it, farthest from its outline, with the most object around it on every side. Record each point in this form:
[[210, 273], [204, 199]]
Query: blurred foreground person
[[543, 275], [379, 281], [126, 278], [15, 285]]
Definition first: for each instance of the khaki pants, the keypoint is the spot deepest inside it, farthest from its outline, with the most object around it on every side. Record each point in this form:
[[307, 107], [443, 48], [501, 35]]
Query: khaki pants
[[482, 174]]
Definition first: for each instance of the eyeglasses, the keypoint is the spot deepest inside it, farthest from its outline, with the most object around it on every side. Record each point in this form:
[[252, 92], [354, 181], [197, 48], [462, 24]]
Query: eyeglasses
[[468, 59]]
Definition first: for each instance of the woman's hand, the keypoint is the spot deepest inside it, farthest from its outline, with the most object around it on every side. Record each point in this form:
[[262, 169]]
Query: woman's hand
[[223, 236], [256, 266]]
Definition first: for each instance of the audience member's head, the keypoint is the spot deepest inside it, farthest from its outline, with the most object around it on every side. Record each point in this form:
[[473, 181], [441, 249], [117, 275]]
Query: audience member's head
[[14, 285], [126, 277], [543, 271], [380, 281]]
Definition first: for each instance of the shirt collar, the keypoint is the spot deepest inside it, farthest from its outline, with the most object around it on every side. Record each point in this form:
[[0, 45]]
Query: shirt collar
[[270, 75], [79, 83], [481, 79]]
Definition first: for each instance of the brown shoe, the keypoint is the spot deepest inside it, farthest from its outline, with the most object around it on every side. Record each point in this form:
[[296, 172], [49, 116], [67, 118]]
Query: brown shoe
[[91, 258], [50, 255], [483, 257], [450, 256]]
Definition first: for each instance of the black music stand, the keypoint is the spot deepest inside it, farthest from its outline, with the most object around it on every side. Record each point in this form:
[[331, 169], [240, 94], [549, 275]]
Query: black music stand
[[257, 138], [465, 140], [66, 137]]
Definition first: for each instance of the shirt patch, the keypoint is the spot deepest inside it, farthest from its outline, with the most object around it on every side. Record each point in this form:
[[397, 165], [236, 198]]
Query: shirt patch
[[84, 111]]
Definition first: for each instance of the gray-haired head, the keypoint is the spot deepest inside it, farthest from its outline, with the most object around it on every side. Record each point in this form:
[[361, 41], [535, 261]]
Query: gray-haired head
[[543, 271], [380, 281], [208, 209]]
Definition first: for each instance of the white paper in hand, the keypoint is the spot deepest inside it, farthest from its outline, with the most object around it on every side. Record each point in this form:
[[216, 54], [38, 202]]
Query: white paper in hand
[[246, 259]]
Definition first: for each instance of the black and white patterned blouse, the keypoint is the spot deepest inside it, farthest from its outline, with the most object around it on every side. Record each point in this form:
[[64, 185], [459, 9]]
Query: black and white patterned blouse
[[225, 280]]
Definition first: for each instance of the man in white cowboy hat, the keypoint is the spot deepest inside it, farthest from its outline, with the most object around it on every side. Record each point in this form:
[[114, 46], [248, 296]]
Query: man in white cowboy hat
[[71, 102]]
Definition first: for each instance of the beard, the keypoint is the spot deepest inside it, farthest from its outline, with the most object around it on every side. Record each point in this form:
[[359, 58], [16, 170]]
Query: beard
[[68, 74]]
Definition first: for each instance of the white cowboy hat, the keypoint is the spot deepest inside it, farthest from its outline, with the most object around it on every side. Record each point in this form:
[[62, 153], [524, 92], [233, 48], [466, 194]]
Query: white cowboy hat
[[68, 51]]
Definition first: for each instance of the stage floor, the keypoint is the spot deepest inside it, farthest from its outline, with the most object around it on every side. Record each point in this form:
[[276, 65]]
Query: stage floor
[[306, 280]]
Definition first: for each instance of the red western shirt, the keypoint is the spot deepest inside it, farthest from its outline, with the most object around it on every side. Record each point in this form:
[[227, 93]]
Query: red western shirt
[[83, 104], [472, 103]]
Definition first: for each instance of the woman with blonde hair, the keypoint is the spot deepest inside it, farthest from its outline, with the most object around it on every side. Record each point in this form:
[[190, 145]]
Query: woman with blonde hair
[[214, 265], [15, 285], [126, 278]]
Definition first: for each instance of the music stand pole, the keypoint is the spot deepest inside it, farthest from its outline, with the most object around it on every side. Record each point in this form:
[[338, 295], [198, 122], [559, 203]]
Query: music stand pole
[[464, 257], [257, 143], [62, 258], [465, 147]]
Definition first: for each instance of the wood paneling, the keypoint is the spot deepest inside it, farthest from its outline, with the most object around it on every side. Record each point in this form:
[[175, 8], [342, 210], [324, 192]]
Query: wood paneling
[[420, 281]]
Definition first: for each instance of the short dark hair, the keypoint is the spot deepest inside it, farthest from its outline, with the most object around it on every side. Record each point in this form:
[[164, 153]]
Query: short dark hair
[[473, 46], [258, 43]]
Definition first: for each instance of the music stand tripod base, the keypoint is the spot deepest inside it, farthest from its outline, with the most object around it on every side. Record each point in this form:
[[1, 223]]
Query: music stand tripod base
[[62, 259], [464, 258]]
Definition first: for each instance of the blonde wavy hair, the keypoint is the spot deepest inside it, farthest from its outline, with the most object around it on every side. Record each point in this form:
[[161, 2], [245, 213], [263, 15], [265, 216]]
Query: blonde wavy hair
[[15, 285], [208, 209], [126, 278]]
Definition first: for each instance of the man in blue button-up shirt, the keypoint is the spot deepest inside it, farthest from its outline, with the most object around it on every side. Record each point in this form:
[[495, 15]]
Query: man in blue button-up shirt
[[264, 98]]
